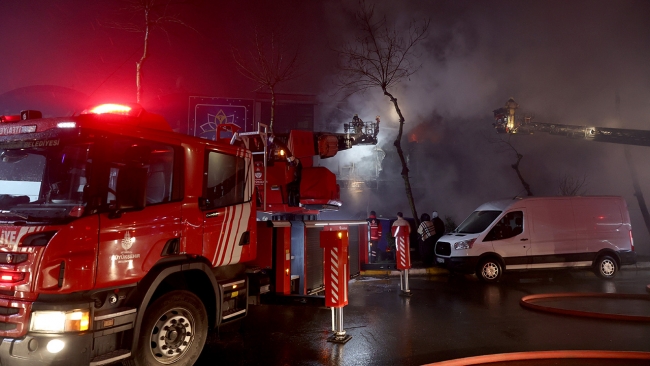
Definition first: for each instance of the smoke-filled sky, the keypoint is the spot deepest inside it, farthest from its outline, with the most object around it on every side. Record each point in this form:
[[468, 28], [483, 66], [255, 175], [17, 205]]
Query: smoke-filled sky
[[563, 61]]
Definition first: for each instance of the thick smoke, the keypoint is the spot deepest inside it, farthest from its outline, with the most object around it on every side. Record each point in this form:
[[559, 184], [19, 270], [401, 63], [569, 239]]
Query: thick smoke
[[563, 62]]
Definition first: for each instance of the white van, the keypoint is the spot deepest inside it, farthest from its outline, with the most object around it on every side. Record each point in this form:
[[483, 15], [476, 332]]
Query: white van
[[540, 233]]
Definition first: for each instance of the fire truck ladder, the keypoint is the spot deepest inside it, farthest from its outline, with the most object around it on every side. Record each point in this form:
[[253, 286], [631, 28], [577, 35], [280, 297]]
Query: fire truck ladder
[[599, 134]]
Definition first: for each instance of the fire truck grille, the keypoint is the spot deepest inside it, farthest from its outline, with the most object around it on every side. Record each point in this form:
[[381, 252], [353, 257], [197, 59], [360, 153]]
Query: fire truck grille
[[8, 311], [443, 248], [8, 326], [14, 317]]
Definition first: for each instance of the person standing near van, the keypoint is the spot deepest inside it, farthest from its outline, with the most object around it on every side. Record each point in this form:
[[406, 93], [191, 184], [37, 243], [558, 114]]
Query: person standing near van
[[438, 225], [400, 220], [374, 228], [426, 232]]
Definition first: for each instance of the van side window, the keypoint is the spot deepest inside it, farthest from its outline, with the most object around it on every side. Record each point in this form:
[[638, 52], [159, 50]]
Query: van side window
[[225, 180], [508, 226]]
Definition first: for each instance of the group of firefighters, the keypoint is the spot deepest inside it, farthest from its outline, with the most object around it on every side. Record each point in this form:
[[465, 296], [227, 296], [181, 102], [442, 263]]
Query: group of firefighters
[[430, 230]]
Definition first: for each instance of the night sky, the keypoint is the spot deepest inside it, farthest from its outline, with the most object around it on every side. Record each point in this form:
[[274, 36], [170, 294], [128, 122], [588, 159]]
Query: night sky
[[563, 61]]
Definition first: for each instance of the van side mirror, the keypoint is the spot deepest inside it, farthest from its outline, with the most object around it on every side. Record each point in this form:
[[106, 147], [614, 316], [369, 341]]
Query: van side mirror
[[131, 187]]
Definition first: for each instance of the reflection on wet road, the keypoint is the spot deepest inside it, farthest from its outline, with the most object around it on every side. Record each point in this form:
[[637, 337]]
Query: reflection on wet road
[[446, 318]]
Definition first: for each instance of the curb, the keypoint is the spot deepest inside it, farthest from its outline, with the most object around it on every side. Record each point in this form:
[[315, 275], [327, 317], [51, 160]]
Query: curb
[[432, 271], [435, 271]]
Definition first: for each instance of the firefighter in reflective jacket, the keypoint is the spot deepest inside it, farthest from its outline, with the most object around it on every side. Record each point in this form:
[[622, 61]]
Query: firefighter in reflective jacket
[[374, 229]]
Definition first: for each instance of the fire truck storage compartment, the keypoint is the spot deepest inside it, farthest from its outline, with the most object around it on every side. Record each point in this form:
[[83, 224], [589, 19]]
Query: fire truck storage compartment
[[314, 261], [354, 240], [307, 254], [298, 258]]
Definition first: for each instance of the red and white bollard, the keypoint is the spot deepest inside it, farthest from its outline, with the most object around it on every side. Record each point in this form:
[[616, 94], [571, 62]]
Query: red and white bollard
[[337, 274], [403, 256]]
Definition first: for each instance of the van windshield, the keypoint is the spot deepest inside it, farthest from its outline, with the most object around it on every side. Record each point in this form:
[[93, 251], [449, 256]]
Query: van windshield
[[477, 222]]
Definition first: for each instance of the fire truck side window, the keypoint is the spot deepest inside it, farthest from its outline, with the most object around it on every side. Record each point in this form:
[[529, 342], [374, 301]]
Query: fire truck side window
[[157, 158], [225, 180]]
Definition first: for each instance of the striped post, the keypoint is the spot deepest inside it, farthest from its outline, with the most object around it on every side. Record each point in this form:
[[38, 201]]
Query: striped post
[[337, 275], [403, 256]]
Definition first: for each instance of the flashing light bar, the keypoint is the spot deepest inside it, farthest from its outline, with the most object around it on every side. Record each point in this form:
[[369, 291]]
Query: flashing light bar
[[111, 108]]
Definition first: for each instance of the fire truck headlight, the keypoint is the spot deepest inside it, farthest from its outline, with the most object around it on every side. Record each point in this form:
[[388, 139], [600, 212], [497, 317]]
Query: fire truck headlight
[[60, 321]]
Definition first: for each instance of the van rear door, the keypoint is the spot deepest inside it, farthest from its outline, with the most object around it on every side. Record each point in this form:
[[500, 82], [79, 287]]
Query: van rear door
[[601, 223]]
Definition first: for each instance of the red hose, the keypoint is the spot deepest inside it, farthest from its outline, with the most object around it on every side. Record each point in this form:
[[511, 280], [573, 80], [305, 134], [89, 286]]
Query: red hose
[[527, 302], [544, 355]]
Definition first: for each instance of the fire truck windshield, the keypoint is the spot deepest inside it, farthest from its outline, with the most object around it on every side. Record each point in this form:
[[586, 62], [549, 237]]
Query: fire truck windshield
[[42, 184]]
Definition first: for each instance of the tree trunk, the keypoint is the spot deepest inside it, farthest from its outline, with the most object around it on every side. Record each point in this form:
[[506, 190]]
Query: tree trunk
[[515, 166], [138, 65], [405, 169], [637, 189], [272, 108]]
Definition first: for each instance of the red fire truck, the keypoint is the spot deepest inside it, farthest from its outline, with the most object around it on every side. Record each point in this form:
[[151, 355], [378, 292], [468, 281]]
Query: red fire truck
[[123, 240]]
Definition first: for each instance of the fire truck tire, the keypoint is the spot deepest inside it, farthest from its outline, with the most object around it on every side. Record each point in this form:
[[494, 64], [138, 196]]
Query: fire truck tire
[[174, 331]]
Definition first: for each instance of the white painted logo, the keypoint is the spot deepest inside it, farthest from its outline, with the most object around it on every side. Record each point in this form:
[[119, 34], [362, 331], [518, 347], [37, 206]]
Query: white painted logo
[[126, 256], [128, 241]]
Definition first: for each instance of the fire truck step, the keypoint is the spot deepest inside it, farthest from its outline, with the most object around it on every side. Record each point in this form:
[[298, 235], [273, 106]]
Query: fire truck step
[[234, 296], [110, 357]]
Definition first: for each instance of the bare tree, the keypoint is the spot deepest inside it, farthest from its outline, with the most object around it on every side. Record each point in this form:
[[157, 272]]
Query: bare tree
[[381, 56], [156, 16], [269, 60], [510, 147], [572, 186]]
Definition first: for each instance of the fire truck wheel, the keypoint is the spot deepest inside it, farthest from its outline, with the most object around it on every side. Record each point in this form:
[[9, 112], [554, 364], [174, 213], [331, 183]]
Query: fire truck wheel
[[174, 331]]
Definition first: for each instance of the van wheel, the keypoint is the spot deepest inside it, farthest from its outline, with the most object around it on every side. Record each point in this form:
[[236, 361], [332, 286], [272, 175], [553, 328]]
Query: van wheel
[[606, 267], [490, 270], [174, 330]]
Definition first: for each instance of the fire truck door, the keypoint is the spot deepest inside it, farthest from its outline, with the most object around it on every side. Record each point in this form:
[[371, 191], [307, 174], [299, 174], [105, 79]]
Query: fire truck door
[[226, 210], [133, 241], [131, 244]]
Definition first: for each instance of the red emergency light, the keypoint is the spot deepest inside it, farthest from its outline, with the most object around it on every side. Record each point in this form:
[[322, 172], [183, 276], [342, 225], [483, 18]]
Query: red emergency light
[[5, 119], [134, 110], [11, 276], [23, 116], [112, 108]]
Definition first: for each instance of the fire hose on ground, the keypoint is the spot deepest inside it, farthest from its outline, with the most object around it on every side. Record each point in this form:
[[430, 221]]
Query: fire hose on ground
[[529, 303]]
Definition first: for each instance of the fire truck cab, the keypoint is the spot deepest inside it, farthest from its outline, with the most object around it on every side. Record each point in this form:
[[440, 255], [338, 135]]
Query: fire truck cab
[[119, 238]]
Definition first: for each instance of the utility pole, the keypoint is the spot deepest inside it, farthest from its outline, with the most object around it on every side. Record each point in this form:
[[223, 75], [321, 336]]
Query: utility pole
[[635, 179]]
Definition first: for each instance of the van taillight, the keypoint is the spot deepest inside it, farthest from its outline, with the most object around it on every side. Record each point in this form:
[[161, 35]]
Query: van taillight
[[631, 240]]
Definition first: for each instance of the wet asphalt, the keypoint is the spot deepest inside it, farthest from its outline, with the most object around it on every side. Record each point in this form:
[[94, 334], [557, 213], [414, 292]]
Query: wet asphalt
[[447, 317]]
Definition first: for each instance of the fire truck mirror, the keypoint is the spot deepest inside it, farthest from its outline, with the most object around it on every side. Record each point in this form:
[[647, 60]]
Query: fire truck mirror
[[130, 190], [203, 203]]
